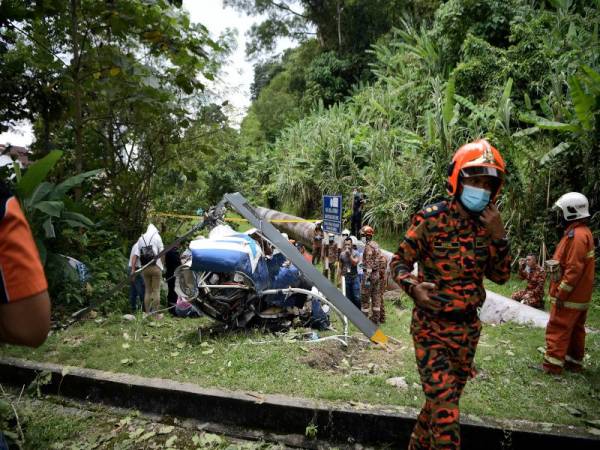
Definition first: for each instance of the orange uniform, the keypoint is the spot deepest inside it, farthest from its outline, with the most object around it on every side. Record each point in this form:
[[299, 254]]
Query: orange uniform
[[571, 295], [21, 272]]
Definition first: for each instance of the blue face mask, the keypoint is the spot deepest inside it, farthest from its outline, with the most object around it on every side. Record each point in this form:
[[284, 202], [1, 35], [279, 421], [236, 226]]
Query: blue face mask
[[475, 199]]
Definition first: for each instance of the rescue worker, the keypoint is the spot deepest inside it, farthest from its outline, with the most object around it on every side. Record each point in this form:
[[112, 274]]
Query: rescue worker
[[302, 249], [358, 202], [535, 275], [331, 254], [571, 290], [370, 288], [317, 243], [383, 265], [456, 243]]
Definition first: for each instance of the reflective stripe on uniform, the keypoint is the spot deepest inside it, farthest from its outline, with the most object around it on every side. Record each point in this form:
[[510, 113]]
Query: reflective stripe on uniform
[[572, 305], [565, 287], [553, 360], [573, 360]]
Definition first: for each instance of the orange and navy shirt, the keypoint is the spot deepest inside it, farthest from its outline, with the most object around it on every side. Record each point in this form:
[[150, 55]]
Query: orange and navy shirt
[[21, 271], [575, 253], [454, 253]]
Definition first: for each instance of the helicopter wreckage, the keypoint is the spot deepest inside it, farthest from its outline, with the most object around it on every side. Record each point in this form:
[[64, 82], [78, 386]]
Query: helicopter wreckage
[[242, 279], [259, 278]]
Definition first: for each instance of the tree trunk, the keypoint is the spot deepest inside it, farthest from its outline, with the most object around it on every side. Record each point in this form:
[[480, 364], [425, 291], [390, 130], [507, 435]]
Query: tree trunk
[[46, 124], [75, 72], [339, 24]]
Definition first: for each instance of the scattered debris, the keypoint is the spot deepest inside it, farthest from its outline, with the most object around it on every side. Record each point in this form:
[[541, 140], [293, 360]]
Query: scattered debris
[[573, 411], [166, 429], [593, 423], [129, 317], [398, 382]]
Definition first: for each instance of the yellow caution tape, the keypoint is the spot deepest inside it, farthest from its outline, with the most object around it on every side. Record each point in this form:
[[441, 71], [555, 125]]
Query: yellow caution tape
[[232, 219]]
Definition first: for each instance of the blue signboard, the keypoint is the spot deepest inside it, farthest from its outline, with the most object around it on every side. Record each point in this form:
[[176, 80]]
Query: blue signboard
[[332, 213]]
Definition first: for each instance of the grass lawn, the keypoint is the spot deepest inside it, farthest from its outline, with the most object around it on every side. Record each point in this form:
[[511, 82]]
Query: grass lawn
[[265, 363]]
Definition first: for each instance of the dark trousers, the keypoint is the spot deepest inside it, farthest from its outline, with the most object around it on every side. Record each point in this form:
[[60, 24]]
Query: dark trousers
[[356, 224], [136, 291], [171, 294], [353, 289]]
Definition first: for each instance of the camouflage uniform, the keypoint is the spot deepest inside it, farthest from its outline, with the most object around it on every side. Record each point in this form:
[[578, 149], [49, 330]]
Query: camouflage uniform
[[454, 253], [331, 253], [534, 294], [370, 288], [317, 245], [383, 264]]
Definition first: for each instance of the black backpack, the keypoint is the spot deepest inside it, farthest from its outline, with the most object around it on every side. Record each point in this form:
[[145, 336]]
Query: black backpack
[[146, 253]]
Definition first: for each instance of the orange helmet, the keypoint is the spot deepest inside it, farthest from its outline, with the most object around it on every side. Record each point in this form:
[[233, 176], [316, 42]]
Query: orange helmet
[[476, 158], [367, 231]]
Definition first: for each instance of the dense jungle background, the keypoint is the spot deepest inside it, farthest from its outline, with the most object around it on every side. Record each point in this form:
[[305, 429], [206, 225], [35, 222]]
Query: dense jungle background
[[377, 94]]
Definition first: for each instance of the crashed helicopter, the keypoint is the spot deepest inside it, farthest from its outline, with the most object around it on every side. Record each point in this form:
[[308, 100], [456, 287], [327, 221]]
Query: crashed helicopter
[[238, 278], [242, 279]]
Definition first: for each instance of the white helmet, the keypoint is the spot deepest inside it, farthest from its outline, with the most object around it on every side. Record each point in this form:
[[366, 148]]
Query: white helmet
[[573, 205]]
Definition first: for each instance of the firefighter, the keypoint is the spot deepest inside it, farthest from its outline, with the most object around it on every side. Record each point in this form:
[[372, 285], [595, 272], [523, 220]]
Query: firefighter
[[570, 287], [456, 243], [317, 243], [331, 255], [370, 290], [383, 264], [535, 275]]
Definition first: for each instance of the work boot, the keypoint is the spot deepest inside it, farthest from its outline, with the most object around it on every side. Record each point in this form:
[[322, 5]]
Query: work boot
[[554, 370], [573, 367]]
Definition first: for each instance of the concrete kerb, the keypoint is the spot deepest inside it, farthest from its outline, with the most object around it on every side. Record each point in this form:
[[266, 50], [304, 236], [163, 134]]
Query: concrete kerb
[[276, 413]]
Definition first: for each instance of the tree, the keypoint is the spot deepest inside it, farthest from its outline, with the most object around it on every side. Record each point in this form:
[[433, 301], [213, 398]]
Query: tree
[[347, 26], [124, 97]]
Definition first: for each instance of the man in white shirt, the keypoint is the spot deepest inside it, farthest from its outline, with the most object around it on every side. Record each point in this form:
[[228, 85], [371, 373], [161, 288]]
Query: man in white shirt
[[148, 246]]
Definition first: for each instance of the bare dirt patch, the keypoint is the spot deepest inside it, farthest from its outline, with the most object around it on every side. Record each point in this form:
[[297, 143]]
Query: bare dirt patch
[[325, 356], [360, 357]]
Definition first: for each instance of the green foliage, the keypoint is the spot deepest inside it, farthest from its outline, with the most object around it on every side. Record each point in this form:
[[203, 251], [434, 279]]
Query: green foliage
[[321, 70], [311, 431], [208, 163], [125, 97], [521, 76], [37, 172], [59, 227], [45, 203], [328, 79], [488, 19]]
